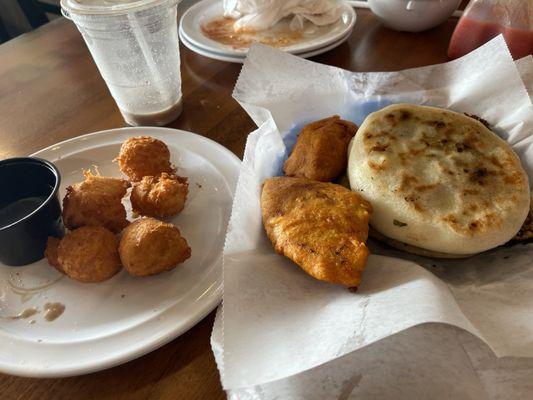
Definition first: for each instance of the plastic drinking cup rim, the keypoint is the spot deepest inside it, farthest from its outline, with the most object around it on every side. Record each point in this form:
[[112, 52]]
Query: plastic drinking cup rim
[[69, 7]]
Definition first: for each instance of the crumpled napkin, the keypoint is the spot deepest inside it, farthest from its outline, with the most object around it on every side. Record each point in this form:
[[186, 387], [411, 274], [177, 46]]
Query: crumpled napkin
[[258, 15]]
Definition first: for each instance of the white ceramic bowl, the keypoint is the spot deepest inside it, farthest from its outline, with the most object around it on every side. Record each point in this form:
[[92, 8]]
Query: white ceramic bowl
[[413, 15]]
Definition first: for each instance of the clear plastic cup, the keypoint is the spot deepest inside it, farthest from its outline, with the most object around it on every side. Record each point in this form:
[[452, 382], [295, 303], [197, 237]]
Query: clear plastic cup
[[136, 49]]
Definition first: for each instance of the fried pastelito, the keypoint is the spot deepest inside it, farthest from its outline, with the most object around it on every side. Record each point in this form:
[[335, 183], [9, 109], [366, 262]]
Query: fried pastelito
[[322, 227], [97, 201], [149, 247], [321, 150], [144, 156], [87, 254], [159, 196]]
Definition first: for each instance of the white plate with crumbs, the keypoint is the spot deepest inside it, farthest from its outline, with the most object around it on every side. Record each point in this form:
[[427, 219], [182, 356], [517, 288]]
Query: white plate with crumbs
[[204, 26], [240, 59], [108, 323]]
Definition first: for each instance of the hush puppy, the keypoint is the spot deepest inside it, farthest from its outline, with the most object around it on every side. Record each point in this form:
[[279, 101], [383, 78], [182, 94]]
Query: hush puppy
[[144, 156], [149, 246], [159, 196], [87, 254], [50, 252], [97, 201]]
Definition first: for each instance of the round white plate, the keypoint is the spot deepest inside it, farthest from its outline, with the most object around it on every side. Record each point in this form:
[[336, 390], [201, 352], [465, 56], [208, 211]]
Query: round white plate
[[108, 323], [240, 59], [206, 10]]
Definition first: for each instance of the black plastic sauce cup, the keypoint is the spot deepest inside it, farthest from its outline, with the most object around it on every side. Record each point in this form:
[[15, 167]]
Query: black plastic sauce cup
[[29, 209]]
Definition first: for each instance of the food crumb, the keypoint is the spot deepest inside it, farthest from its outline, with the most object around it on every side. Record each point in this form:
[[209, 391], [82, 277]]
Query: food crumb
[[122, 296], [198, 185]]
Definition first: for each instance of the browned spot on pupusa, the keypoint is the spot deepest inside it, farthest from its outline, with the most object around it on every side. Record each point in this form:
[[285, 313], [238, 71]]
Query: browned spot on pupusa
[[376, 166], [421, 188], [379, 148], [407, 181]]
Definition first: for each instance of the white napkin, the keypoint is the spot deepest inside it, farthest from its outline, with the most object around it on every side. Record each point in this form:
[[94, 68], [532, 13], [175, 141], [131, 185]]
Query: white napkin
[[430, 361], [277, 321], [258, 15]]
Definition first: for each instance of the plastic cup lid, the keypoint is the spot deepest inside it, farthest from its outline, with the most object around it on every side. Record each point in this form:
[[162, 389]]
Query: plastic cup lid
[[108, 7]]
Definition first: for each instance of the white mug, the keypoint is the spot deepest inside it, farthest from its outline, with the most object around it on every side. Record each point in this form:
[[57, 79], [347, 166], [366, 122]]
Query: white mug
[[413, 15]]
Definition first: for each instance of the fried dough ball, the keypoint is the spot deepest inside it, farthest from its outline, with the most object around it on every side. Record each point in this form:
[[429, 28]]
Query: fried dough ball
[[149, 246], [160, 196], [97, 201], [50, 252], [89, 254], [144, 156]]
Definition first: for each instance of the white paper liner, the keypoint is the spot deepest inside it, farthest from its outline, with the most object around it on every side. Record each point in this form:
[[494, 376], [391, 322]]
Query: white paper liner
[[279, 322]]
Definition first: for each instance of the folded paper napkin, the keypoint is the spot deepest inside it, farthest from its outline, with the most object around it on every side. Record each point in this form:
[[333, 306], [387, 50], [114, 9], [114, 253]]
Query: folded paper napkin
[[258, 15]]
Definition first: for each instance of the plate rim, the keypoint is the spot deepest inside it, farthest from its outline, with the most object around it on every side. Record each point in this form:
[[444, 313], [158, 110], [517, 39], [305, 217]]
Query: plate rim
[[128, 353], [240, 59]]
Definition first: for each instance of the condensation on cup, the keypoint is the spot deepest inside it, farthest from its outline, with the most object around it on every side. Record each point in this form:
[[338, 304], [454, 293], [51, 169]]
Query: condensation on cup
[[136, 49]]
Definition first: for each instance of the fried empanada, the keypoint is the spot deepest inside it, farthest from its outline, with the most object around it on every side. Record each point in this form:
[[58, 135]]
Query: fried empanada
[[321, 150], [322, 227]]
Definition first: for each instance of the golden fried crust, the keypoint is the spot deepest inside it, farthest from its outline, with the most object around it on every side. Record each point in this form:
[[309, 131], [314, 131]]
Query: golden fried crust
[[51, 252], [89, 254], [144, 156], [149, 247], [97, 201], [321, 150], [320, 226], [161, 196]]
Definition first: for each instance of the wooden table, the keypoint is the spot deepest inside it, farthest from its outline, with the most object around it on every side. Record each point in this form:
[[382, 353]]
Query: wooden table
[[50, 90]]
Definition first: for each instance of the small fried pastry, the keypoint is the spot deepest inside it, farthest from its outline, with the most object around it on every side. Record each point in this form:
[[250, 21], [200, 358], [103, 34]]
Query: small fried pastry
[[321, 150], [144, 156], [97, 201], [51, 252], [149, 247], [160, 196], [89, 254]]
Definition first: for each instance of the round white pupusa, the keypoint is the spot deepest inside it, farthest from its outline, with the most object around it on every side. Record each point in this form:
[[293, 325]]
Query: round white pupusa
[[438, 180]]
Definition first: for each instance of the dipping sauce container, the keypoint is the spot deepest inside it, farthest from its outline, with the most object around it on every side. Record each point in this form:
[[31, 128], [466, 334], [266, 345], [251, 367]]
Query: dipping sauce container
[[29, 209]]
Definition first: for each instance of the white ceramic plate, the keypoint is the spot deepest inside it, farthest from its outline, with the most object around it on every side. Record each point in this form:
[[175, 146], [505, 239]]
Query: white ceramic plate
[[108, 323], [206, 10], [240, 59]]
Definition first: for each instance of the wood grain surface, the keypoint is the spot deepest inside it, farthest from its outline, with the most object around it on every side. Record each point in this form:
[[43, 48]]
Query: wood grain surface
[[50, 90]]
